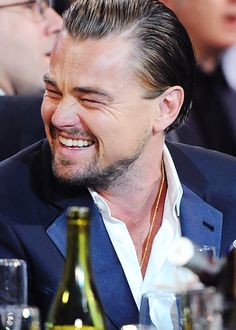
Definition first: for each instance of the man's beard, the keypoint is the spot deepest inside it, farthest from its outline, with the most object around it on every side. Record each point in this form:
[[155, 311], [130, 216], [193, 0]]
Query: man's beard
[[114, 175], [119, 174]]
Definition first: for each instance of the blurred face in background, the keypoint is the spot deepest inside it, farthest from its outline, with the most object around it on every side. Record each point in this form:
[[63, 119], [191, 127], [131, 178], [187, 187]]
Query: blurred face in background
[[211, 24], [28, 30]]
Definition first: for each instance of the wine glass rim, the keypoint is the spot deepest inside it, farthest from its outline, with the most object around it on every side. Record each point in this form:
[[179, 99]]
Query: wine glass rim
[[11, 262]]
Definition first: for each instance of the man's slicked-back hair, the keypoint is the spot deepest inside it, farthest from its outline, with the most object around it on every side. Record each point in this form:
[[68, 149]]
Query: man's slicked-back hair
[[163, 52]]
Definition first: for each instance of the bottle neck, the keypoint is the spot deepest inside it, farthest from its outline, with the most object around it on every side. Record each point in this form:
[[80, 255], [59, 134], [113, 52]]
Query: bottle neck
[[77, 244]]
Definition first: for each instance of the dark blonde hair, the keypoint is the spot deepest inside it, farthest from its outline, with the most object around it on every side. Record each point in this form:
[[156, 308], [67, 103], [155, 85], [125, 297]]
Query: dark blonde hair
[[164, 56]]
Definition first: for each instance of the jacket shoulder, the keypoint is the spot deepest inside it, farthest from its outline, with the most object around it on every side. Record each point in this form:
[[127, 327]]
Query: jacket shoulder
[[196, 165], [20, 180], [203, 158]]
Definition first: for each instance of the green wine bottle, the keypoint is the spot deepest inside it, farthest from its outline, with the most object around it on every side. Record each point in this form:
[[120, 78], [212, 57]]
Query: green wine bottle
[[76, 305]]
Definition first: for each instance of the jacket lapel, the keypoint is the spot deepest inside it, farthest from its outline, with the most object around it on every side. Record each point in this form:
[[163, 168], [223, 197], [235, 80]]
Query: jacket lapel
[[200, 221], [110, 279]]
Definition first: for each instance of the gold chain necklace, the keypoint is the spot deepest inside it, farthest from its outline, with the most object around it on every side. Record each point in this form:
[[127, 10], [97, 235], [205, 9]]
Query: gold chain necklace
[[154, 214]]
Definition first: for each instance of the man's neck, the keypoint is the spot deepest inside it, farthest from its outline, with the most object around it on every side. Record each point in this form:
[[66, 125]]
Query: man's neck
[[134, 202], [138, 209]]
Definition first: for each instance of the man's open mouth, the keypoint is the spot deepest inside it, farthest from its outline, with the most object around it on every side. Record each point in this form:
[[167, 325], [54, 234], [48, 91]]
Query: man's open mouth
[[75, 142]]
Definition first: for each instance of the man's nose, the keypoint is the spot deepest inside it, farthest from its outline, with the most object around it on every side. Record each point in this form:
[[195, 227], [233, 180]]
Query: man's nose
[[53, 21], [65, 115]]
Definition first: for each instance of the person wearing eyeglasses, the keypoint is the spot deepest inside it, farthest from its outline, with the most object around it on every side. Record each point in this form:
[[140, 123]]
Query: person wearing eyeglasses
[[28, 30]]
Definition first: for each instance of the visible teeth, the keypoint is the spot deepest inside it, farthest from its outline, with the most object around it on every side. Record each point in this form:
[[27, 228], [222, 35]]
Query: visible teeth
[[75, 143]]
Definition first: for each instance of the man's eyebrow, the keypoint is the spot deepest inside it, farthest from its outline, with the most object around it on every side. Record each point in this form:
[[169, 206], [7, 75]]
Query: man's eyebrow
[[47, 79], [90, 90]]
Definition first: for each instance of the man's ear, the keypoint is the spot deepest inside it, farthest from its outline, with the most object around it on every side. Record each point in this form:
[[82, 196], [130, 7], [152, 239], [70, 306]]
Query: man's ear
[[170, 103]]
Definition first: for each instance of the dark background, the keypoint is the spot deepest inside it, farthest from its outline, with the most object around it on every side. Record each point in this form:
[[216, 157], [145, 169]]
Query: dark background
[[61, 5]]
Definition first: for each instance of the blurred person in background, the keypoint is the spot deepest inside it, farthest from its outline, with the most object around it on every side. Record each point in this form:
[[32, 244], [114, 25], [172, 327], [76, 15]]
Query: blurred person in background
[[211, 25], [28, 30]]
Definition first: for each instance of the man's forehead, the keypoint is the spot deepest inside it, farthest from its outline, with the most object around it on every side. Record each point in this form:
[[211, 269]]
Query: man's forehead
[[115, 47]]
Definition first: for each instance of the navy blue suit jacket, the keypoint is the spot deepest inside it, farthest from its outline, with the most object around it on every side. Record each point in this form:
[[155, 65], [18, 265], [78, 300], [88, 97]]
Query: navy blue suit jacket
[[32, 221]]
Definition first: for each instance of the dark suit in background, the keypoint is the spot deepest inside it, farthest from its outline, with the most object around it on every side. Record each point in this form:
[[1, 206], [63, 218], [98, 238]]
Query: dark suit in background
[[33, 227], [212, 119], [20, 123]]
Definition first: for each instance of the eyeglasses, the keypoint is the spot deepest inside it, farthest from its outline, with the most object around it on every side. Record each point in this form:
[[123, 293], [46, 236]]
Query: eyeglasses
[[37, 7]]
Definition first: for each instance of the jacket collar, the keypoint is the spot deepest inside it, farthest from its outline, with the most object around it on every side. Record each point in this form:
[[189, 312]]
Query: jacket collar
[[199, 221]]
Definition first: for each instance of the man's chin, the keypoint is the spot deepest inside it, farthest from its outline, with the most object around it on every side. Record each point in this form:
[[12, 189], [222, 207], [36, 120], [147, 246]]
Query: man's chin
[[63, 174], [68, 174], [90, 175]]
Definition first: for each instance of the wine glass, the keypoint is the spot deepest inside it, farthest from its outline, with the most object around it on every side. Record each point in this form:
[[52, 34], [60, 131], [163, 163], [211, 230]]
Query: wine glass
[[14, 317], [160, 309], [206, 250], [199, 309], [13, 282]]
